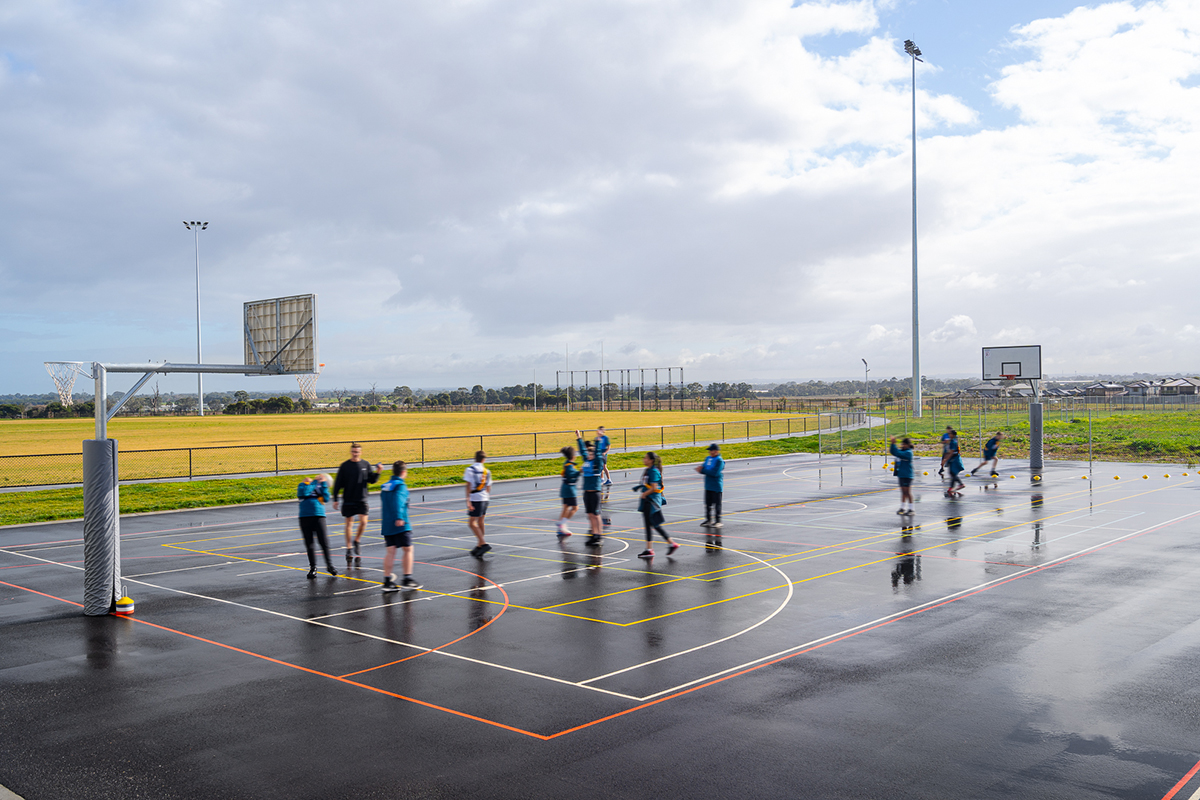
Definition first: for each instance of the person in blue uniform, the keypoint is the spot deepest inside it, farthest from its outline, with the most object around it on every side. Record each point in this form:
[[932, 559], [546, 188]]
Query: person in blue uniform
[[651, 503], [991, 452], [313, 494], [713, 470], [603, 443], [570, 503], [904, 473], [397, 531], [954, 466], [947, 435], [591, 489]]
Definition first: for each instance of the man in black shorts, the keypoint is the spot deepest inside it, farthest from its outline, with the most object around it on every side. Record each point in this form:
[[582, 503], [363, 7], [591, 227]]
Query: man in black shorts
[[478, 479], [353, 479]]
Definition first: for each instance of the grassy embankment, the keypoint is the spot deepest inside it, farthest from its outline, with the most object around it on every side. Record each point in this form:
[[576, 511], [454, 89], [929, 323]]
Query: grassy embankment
[[55, 504]]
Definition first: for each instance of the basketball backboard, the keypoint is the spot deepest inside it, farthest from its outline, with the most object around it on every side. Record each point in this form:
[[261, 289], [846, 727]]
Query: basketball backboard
[[1022, 363], [281, 333]]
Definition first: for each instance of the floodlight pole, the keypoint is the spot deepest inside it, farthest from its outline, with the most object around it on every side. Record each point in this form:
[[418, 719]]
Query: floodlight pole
[[914, 52], [196, 227]]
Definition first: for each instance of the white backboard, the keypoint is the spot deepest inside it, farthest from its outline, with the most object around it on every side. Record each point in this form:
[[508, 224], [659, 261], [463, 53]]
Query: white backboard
[[1022, 363], [282, 333]]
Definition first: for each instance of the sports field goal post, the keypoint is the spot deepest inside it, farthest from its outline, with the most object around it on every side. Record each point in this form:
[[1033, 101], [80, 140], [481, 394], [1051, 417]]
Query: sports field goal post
[[308, 384], [1021, 364]]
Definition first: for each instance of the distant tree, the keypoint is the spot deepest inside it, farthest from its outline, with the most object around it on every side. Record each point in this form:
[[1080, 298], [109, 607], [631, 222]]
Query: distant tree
[[241, 395], [11, 411], [403, 392]]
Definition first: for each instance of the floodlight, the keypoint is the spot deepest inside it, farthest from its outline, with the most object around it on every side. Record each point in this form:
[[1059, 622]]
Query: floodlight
[[912, 49]]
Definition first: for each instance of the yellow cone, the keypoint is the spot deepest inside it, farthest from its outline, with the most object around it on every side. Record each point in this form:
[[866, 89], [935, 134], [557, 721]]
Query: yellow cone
[[124, 607]]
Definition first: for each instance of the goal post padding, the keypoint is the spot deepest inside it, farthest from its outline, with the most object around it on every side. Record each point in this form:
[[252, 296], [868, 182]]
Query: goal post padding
[[1035, 438], [101, 527]]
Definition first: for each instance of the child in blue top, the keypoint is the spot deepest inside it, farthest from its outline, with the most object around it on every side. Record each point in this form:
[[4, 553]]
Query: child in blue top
[[954, 465], [713, 470], [946, 437], [651, 503], [592, 469], [397, 532], [313, 494], [603, 443], [570, 476], [904, 473], [991, 453]]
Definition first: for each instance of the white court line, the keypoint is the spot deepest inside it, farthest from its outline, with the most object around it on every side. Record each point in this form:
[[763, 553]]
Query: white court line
[[429, 650], [183, 569], [264, 571], [790, 591], [906, 611]]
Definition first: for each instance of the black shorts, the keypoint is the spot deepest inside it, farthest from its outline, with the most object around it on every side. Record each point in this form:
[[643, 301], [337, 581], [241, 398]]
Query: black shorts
[[570, 501], [402, 539], [353, 509], [905, 482], [591, 502], [478, 508], [988, 455], [653, 517]]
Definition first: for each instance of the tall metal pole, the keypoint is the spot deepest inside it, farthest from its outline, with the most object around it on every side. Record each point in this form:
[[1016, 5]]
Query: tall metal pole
[[914, 52], [195, 227]]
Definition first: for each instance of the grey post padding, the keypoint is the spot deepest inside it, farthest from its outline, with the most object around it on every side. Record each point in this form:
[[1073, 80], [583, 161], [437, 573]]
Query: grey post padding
[[1035, 438], [101, 527]]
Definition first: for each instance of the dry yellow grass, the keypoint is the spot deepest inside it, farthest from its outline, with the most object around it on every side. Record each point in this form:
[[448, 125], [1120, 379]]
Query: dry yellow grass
[[502, 429]]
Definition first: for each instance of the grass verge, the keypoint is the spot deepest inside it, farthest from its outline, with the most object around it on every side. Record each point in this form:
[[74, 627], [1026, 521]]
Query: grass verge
[[60, 504]]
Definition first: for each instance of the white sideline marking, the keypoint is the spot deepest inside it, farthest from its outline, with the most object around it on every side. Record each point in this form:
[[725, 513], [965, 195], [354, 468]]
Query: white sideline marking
[[182, 569], [261, 571]]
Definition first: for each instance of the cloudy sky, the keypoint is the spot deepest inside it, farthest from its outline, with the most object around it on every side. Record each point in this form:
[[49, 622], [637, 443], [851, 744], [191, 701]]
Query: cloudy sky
[[472, 185]]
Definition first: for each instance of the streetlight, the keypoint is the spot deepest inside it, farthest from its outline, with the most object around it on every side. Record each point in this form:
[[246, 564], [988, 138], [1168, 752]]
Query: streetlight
[[196, 227], [866, 379], [915, 52]]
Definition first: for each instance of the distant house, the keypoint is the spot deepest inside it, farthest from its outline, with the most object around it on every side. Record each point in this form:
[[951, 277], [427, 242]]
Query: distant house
[[1144, 388], [1104, 389], [1178, 386], [985, 389]]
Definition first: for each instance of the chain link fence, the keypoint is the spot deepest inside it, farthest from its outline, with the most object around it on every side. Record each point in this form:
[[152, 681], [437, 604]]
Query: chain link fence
[[274, 459]]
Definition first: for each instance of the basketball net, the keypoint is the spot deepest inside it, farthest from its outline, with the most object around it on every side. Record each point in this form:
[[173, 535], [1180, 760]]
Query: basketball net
[[308, 384], [63, 373]]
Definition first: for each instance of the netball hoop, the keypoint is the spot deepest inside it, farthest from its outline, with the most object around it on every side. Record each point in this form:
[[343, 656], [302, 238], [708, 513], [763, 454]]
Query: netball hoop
[[64, 373]]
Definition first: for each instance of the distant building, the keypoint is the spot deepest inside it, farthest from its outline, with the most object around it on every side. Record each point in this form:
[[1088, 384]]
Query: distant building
[[1180, 386], [1145, 388], [1104, 389]]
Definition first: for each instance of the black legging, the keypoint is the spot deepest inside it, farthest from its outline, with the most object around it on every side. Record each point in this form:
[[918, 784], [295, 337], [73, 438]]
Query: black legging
[[712, 503], [314, 528], [654, 521]]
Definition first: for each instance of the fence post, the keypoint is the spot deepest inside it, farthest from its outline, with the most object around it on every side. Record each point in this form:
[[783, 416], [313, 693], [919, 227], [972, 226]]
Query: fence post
[[189, 463], [1089, 440], [747, 430], [820, 451], [480, 442], [422, 451], [722, 431], [276, 460], [841, 433], [693, 436], [662, 436], [535, 450]]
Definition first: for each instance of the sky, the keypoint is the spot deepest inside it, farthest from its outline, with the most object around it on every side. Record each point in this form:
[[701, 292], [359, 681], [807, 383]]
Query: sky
[[474, 187]]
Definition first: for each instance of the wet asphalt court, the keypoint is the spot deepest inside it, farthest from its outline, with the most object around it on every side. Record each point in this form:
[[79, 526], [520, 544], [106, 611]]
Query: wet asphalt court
[[1025, 640]]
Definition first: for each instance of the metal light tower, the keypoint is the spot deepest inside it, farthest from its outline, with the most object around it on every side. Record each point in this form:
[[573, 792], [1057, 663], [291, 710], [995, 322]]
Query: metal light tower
[[867, 380], [915, 52], [196, 227]]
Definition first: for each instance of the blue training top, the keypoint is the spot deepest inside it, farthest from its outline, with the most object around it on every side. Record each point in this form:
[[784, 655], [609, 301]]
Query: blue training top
[[955, 461], [993, 444], [570, 476], [602, 445], [310, 496], [904, 461], [650, 477], [393, 506], [713, 470], [592, 469]]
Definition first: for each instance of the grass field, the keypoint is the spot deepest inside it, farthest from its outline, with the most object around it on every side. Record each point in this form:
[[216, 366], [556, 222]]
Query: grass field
[[55, 504], [36, 436]]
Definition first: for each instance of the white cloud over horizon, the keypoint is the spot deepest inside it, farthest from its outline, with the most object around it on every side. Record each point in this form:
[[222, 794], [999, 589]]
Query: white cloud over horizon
[[470, 185]]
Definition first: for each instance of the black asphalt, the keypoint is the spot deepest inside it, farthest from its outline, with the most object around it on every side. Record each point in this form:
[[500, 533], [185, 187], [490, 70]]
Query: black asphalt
[[1027, 639]]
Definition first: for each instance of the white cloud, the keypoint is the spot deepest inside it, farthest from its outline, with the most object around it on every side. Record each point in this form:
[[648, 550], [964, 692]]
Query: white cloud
[[954, 329]]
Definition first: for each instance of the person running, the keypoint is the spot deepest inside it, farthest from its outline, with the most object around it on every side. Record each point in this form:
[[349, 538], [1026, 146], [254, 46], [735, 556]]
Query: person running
[[904, 473], [954, 465], [651, 489], [591, 489], [991, 453], [713, 470], [397, 530], [313, 494], [947, 435], [603, 443], [478, 480], [354, 478], [570, 503]]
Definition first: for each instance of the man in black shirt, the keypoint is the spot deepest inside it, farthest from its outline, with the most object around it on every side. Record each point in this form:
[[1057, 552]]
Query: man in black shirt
[[353, 478]]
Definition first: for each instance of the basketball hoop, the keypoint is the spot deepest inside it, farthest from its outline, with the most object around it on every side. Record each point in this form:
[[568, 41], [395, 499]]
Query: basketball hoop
[[308, 384], [63, 373]]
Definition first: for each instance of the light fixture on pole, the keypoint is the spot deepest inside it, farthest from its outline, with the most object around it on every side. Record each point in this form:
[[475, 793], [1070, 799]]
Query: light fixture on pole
[[866, 379], [915, 53], [195, 227]]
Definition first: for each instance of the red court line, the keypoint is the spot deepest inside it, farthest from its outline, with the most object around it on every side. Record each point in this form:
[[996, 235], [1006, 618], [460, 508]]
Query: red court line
[[302, 669], [447, 644], [859, 633], [18, 566], [1182, 782]]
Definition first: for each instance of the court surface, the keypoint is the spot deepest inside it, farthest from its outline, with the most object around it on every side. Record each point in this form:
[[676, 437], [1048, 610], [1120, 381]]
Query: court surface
[[1029, 639]]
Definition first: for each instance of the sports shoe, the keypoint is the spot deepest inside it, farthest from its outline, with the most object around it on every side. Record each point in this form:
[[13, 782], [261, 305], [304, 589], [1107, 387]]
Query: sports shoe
[[410, 584], [329, 568], [674, 546], [357, 551], [312, 573], [646, 554], [607, 483], [900, 510], [705, 524], [995, 474], [973, 471], [717, 525], [594, 541], [349, 556], [389, 585], [563, 533], [941, 473]]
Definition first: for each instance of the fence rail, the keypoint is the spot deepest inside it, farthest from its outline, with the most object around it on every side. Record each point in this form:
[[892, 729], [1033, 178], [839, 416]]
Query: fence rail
[[56, 469]]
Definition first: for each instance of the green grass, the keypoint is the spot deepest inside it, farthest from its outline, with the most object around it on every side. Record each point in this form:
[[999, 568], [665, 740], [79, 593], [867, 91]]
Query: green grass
[[60, 504]]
